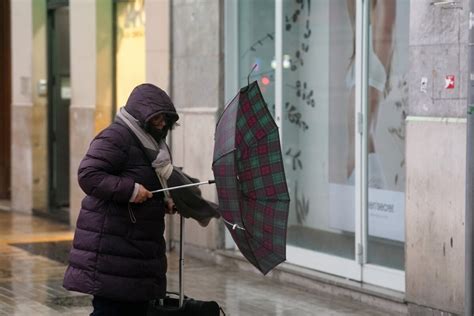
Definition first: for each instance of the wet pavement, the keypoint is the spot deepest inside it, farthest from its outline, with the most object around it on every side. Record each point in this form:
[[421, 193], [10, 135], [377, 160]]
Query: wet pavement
[[32, 263]]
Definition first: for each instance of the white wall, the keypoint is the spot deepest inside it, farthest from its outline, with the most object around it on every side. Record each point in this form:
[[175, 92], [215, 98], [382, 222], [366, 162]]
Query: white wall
[[83, 91]]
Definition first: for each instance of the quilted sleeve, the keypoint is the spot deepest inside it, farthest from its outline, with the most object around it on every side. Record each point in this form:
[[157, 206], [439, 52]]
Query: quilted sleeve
[[100, 169]]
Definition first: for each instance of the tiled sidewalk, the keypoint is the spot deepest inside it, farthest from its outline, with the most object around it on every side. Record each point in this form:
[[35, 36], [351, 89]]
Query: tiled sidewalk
[[30, 282]]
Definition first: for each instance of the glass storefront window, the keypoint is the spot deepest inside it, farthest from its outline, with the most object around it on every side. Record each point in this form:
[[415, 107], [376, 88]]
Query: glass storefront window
[[319, 129], [317, 40]]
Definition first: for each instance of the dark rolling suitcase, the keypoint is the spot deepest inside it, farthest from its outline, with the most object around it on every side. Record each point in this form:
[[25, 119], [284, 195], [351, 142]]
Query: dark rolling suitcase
[[177, 304]]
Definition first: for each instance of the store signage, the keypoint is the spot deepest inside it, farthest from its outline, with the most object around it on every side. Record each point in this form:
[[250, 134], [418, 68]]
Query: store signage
[[449, 82], [386, 211]]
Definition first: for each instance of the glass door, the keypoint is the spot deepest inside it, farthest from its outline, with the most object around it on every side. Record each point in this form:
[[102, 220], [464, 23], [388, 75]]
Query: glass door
[[317, 107], [386, 109]]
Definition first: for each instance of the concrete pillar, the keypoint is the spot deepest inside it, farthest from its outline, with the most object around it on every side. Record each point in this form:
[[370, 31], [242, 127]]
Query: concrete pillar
[[104, 65], [435, 157], [197, 88], [83, 91], [157, 42], [158, 62], [436, 153], [22, 106]]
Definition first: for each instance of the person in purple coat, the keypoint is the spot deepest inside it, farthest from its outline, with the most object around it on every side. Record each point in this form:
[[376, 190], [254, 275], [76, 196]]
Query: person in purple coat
[[119, 252]]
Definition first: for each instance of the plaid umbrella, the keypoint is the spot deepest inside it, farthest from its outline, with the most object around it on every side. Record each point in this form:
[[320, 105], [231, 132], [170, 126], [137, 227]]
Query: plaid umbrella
[[250, 179]]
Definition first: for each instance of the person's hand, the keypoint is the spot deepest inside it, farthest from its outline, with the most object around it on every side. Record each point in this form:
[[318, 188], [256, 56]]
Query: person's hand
[[142, 195], [170, 207]]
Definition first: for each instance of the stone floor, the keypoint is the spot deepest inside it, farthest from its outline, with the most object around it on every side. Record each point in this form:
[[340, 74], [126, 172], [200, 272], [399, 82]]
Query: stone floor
[[32, 256]]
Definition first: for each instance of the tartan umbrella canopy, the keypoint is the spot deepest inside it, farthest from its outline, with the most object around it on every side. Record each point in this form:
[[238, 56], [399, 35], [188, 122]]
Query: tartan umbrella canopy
[[250, 179]]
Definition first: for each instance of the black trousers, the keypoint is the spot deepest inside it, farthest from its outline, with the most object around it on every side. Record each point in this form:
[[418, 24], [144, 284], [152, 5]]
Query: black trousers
[[107, 307]]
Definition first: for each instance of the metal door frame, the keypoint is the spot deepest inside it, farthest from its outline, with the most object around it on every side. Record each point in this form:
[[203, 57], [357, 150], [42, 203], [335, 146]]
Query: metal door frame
[[370, 273], [52, 6], [5, 120]]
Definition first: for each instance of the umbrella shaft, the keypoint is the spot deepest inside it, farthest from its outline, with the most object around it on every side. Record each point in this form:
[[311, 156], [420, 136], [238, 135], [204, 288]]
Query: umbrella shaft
[[181, 261], [184, 186]]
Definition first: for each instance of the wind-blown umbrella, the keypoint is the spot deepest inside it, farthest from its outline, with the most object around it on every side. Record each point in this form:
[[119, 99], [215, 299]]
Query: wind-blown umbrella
[[250, 179]]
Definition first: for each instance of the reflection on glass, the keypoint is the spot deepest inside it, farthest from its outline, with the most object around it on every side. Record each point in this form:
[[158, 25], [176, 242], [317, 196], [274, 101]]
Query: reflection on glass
[[130, 48], [388, 103], [257, 46], [65, 88], [317, 37]]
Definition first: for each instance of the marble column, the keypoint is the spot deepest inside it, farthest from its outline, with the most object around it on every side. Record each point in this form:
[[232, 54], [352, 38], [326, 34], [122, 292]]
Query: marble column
[[22, 107]]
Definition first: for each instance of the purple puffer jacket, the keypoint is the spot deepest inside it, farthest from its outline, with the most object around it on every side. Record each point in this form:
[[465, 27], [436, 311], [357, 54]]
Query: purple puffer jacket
[[112, 256]]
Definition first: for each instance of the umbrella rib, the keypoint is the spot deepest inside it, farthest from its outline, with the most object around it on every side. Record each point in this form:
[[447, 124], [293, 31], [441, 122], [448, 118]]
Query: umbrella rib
[[234, 226], [226, 107], [266, 200], [223, 155], [255, 141]]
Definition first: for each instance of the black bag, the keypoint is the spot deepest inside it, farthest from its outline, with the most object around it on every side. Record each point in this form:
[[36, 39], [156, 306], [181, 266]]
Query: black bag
[[170, 306]]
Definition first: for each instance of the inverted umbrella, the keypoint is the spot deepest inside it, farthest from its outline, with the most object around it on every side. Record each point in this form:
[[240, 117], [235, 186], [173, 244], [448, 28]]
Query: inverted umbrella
[[250, 179]]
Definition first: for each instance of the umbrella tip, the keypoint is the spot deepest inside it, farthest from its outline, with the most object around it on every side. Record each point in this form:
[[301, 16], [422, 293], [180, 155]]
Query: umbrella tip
[[248, 77]]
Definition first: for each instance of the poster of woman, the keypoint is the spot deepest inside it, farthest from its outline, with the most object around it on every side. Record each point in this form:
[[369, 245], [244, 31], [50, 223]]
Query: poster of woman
[[387, 104]]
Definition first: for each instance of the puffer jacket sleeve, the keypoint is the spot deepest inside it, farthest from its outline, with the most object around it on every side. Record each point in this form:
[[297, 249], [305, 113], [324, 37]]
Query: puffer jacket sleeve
[[100, 170]]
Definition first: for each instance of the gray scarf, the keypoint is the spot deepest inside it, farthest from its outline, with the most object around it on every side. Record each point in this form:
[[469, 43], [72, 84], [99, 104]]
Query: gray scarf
[[157, 153]]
